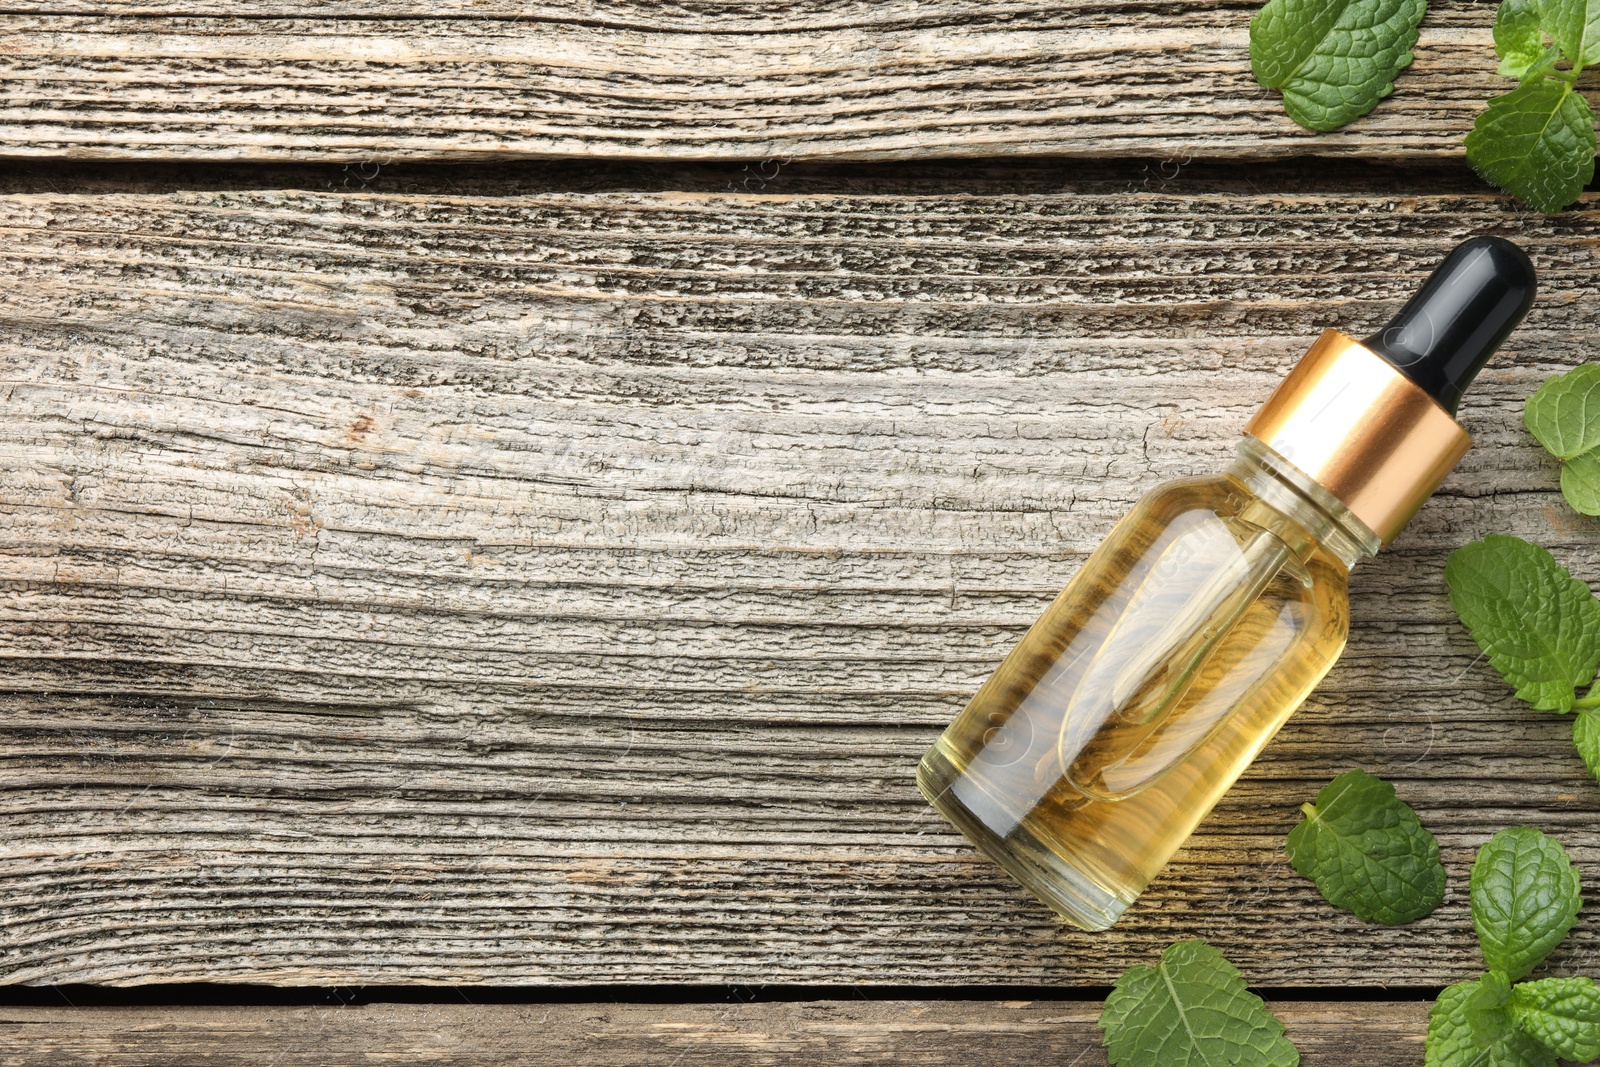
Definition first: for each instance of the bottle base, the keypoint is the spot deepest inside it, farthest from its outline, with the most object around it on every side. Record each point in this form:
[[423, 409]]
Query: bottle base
[[1067, 890]]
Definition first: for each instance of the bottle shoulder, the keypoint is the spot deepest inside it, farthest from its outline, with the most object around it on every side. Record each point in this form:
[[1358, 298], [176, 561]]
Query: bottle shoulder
[[1224, 502]]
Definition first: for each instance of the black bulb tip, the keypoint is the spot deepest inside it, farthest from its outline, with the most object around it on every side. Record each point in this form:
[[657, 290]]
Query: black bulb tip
[[1464, 311]]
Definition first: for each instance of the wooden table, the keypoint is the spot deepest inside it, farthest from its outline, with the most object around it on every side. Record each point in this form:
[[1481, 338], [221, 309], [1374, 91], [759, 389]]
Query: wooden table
[[499, 495]]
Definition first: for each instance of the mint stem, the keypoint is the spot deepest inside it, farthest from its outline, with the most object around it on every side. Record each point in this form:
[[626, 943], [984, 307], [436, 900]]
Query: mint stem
[[1589, 700]]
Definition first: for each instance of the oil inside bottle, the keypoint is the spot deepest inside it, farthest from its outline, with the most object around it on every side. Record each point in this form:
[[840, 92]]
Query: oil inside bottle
[[1150, 684]]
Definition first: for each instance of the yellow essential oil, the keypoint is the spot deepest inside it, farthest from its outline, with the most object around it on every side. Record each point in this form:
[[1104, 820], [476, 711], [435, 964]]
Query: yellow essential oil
[[1147, 687]]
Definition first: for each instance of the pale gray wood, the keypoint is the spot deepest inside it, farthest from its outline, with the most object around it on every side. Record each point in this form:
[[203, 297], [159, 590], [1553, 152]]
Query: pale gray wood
[[560, 588], [791, 80], [923, 1033]]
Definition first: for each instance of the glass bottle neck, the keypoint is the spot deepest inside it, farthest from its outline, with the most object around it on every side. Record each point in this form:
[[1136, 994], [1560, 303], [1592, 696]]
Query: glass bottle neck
[[1318, 514]]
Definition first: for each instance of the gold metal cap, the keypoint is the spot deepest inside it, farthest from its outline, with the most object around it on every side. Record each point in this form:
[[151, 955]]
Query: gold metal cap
[[1362, 430]]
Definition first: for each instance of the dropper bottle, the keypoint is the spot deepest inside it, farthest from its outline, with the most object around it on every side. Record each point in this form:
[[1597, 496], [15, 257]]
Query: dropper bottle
[[1214, 608]]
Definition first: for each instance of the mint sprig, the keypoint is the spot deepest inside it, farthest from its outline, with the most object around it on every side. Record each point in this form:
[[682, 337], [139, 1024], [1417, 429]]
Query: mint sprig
[[1564, 417], [1525, 897], [1537, 141], [1191, 1010], [1332, 59], [1367, 852]]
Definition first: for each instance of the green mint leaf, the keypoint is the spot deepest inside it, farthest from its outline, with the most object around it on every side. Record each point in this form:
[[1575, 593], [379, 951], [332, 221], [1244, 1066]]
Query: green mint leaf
[[1461, 1032], [1562, 1014], [1525, 897], [1580, 483], [1367, 851], [1586, 739], [1536, 142], [1519, 42], [1564, 413], [1191, 1010], [1333, 59], [1564, 417], [1539, 626], [1575, 25]]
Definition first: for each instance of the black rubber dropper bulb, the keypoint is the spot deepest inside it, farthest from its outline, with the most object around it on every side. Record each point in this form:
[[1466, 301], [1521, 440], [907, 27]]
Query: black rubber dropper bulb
[[1469, 304]]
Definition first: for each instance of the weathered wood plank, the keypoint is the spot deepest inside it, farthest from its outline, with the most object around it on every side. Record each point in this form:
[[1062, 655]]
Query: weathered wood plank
[[559, 588], [998, 1033], [801, 79]]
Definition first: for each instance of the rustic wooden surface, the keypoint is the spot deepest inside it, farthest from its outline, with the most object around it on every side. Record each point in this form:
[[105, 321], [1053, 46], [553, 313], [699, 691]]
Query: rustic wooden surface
[[696, 79], [547, 576], [958, 1033], [426, 584]]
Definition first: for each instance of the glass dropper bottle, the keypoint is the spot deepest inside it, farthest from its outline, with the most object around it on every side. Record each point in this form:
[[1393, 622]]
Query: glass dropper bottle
[[1213, 609]]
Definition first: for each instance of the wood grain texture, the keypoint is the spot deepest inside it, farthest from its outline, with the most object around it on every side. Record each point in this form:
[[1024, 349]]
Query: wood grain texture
[[796, 79], [921, 1033], [559, 588]]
